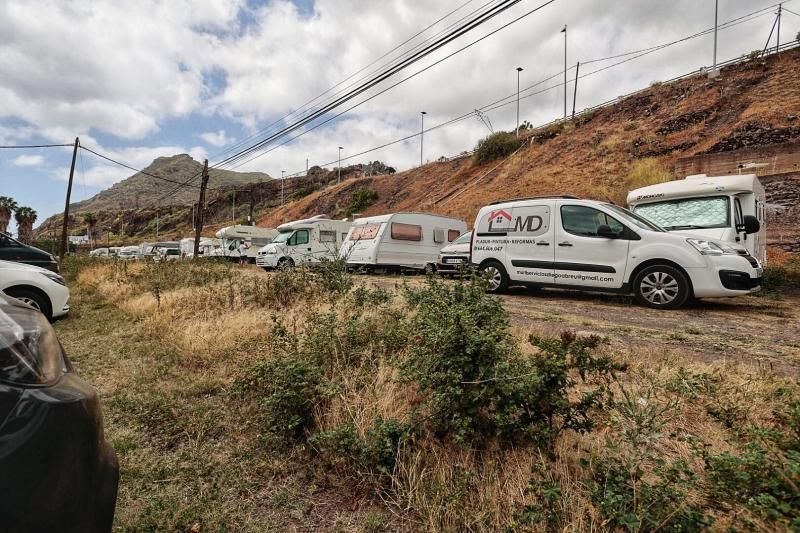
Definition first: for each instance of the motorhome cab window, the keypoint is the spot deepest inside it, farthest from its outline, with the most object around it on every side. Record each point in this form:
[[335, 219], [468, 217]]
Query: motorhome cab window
[[365, 232], [300, 237], [327, 236], [406, 232], [452, 235], [692, 213], [585, 221]]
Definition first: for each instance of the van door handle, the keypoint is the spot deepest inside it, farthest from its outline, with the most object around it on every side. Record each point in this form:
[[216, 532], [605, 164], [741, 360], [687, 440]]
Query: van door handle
[[542, 243], [565, 243]]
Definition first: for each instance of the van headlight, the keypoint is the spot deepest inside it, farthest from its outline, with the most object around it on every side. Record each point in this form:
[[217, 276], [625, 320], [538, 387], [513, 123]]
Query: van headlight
[[712, 248]]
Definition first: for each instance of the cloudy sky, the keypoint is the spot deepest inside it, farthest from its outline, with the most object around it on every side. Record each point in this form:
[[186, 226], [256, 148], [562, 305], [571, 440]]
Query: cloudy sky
[[138, 79]]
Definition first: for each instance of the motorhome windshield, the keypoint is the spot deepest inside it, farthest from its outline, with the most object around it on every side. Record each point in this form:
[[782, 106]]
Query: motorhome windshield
[[633, 218], [688, 213], [283, 236]]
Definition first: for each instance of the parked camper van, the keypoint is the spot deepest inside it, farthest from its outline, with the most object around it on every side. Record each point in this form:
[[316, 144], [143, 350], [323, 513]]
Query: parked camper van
[[209, 248], [304, 242], [725, 208], [567, 242], [254, 237], [399, 241]]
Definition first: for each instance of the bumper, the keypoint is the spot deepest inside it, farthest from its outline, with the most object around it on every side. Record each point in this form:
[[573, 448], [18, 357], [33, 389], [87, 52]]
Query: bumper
[[725, 276], [59, 474], [452, 264], [59, 296], [267, 261]]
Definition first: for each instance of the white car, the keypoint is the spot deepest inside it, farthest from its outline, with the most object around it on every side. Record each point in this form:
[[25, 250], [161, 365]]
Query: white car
[[455, 256], [567, 242], [37, 287]]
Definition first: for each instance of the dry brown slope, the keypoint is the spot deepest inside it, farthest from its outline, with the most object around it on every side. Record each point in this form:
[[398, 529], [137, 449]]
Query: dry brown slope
[[756, 102]]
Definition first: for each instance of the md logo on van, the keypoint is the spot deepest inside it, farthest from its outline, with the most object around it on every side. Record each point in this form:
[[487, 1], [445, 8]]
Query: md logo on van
[[529, 220]]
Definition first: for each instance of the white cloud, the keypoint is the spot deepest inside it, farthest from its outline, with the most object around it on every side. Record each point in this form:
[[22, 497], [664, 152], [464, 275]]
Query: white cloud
[[27, 160], [217, 139]]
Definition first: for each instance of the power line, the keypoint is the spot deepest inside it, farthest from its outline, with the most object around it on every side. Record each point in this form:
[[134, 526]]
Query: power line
[[24, 146]]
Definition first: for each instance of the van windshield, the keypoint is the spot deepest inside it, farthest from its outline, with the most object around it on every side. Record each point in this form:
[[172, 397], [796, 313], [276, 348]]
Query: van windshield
[[283, 236], [633, 218], [688, 213]]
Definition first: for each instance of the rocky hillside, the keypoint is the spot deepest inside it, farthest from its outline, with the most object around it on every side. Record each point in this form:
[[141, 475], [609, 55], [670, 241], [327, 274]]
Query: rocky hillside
[[750, 104]]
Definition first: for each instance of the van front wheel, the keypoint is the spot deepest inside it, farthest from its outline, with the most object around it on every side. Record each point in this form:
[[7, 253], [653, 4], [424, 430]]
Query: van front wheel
[[494, 273], [661, 287]]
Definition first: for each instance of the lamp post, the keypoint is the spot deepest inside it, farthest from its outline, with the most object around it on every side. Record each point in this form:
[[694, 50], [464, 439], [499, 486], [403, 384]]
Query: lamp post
[[421, 134], [716, 15], [283, 172], [564, 31], [339, 168], [519, 69]]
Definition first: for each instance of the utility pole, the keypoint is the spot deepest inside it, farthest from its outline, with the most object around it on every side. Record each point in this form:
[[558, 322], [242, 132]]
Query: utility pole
[[565, 71], [158, 212], [283, 172], [306, 166], [778, 43], [234, 207], [716, 20], [339, 168], [575, 92], [771, 31], [201, 210], [421, 135], [252, 206], [519, 69], [64, 228], [194, 204]]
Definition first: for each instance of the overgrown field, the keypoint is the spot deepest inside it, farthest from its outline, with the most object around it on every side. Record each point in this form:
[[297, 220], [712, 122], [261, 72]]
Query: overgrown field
[[241, 401]]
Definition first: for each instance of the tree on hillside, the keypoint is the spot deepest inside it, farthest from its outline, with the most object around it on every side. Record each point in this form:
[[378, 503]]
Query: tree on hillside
[[7, 206], [25, 217], [90, 219]]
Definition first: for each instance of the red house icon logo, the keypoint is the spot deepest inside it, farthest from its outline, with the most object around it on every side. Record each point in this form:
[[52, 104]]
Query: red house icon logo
[[499, 218]]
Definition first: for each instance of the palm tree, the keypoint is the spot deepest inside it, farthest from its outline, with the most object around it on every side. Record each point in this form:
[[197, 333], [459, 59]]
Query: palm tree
[[25, 217], [91, 220], [7, 206]]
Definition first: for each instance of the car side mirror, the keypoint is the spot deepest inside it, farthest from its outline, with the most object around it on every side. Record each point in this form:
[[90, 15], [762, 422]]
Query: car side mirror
[[749, 225], [606, 232]]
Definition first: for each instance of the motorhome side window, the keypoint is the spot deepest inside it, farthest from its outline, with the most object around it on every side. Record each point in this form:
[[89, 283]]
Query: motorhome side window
[[406, 232], [327, 236], [452, 235], [365, 232], [300, 237], [584, 221]]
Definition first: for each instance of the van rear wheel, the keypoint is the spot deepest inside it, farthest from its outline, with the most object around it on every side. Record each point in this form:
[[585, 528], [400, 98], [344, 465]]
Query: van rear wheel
[[661, 287], [496, 275]]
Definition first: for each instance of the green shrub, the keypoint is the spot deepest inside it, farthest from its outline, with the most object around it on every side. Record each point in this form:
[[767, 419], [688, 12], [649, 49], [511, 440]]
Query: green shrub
[[495, 146], [362, 198], [377, 450], [782, 276], [332, 277]]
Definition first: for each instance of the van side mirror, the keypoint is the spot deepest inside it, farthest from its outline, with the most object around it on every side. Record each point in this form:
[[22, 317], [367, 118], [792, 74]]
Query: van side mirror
[[749, 225], [606, 232]]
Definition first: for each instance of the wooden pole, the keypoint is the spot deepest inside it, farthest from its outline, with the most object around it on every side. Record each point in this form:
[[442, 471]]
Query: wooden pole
[[201, 210], [65, 226]]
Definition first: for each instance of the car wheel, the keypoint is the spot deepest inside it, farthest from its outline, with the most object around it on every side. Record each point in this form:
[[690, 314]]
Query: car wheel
[[661, 287], [34, 299], [430, 269], [494, 273]]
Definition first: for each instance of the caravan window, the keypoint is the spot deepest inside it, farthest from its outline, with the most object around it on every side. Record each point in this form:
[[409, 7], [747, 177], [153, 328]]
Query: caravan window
[[406, 232], [300, 237], [327, 236], [344, 237], [438, 235], [365, 232], [452, 235]]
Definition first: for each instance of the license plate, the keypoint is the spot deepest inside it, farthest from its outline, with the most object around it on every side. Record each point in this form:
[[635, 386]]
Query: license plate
[[453, 261]]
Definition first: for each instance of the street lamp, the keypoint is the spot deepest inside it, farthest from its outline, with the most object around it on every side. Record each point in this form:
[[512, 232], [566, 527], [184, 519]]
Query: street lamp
[[564, 31], [519, 69], [421, 135], [339, 168], [283, 172]]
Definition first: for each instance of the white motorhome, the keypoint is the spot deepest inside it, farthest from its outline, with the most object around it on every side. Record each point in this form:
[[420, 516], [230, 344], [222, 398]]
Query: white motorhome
[[566, 242], [725, 208], [304, 242], [399, 241], [254, 237]]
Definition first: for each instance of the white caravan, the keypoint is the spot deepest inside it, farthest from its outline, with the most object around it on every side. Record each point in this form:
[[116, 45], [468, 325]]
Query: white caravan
[[254, 237], [725, 208], [569, 243], [304, 242], [399, 241]]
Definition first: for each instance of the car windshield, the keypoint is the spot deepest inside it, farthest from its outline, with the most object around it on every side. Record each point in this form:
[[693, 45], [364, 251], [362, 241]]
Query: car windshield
[[633, 218], [283, 236], [689, 213], [464, 238]]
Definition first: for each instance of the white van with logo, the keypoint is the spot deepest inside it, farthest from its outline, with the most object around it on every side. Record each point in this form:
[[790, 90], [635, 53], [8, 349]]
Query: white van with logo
[[304, 242], [725, 208], [399, 241], [566, 242]]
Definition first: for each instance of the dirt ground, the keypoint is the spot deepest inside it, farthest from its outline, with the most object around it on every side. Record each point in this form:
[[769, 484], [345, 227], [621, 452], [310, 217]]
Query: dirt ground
[[762, 331]]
